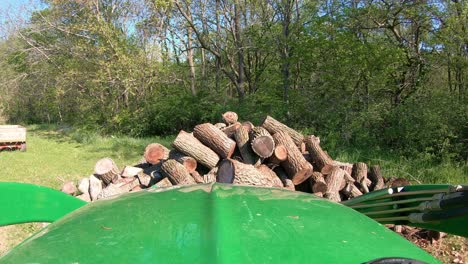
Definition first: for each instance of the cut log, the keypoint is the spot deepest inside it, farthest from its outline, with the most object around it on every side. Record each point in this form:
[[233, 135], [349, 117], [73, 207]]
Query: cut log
[[287, 183], [242, 139], [107, 170], [220, 125], [130, 171], [189, 163], [230, 117], [307, 156], [189, 145], [334, 182], [145, 180], [274, 126], [211, 175], [304, 187], [226, 171], [164, 183], [271, 174], [360, 175], [248, 126], [155, 172], [95, 187], [279, 155], [69, 188], [246, 174], [351, 191], [262, 142], [155, 152], [318, 194], [177, 173], [83, 185], [398, 182], [319, 158], [197, 177], [210, 136], [119, 187], [231, 129], [85, 197], [376, 177], [318, 183], [295, 166]]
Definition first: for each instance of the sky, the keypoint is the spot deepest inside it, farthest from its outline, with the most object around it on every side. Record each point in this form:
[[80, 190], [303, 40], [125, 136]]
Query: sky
[[16, 10]]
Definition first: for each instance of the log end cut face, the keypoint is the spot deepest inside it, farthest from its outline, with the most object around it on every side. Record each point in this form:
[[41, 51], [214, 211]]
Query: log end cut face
[[263, 146]]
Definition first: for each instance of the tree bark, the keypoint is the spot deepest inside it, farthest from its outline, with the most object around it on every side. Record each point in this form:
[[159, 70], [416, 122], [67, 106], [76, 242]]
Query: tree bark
[[334, 182], [262, 142], [231, 129], [246, 174], [360, 175], [273, 126], [164, 183], [376, 177], [155, 152], [271, 174], [230, 117], [107, 170], [295, 166], [189, 163], [318, 183], [279, 155], [242, 139], [177, 173], [189, 145], [219, 142], [320, 159]]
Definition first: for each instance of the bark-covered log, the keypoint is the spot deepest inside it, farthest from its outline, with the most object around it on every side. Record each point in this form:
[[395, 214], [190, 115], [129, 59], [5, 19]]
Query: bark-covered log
[[230, 117], [226, 171], [145, 180], [319, 158], [248, 126], [334, 182], [246, 174], [220, 125], [177, 173], [197, 177], [295, 166], [189, 163], [318, 183], [231, 129], [287, 183], [83, 185], [95, 187], [189, 145], [84, 197], [107, 170], [130, 171], [210, 136], [376, 177], [242, 139], [155, 152], [318, 194], [274, 126], [279, 155], [211, 175], [351, 191], [360, 175], [271, 174], [262, 142], [164, 183]]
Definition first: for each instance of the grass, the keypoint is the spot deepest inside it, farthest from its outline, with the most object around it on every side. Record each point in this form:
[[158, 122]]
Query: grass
[[58, 154]]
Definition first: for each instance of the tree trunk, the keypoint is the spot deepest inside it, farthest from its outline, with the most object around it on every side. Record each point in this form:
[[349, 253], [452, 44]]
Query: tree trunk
[[155, 152], [177, 173], [107, 170], [219, 142], [189, 163], [262, 142], [189, 145], [376, 177], [271, 174], [295, 166], [334, 182], [318, 183], [197, 177], [360, 175], [246, 174], [242, 139], [273, 126]]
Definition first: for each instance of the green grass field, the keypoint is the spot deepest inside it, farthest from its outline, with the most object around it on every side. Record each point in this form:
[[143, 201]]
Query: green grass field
[[57, 155]]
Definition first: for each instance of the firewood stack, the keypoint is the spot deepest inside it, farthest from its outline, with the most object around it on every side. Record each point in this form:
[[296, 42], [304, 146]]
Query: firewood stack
[[270, 155]]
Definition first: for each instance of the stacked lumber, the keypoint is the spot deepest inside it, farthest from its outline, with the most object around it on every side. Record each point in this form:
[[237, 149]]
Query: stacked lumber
[[269, 155]]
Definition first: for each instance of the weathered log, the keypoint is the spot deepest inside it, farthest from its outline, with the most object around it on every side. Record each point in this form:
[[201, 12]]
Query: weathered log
[[274, 126], [271, 174], [230, 117], [360, 175], [189, 145], [164, 183], [279, 155], [318, 183], [197, 177], [130, 171], [376, 177], [295, 166], [247, 174], [226, 171], [210, 136], [107, 170], [95, 187], [220, 125], [85, 197], [307, 156], [318, 194], [83, 186], [189, 163], [69, 188], [319, 158], [155, 152], [242, 139], [334, 182], [211, 175], [287, 183], [248, 126], [145, 179], [177, 173], [262, 142], [120, 187], [231, 129], [351, 191]]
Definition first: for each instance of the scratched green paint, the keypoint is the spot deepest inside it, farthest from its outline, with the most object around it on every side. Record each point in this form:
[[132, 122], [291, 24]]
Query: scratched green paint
[[214, 223]]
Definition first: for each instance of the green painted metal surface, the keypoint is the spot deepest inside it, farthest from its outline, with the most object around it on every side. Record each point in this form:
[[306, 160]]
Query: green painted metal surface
[[23, 203], [214, 223]]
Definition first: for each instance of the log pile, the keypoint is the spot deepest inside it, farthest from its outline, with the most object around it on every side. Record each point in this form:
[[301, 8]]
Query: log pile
[[269, 155]]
